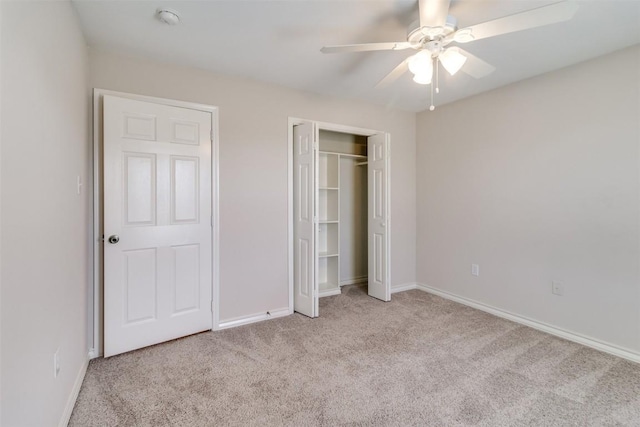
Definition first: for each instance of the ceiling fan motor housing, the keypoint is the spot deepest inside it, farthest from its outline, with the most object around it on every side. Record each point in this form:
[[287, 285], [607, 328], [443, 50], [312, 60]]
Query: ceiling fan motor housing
[[419, 36], [434, 47]]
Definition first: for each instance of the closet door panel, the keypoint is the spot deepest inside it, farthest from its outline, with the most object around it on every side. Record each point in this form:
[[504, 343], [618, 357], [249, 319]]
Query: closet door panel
[[378, 177], [305, 298]]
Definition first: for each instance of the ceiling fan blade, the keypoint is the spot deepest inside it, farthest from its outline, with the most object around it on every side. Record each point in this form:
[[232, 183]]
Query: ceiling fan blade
[[394, 74], [366, 47], [475, 67], [539, 17], [433, 13]]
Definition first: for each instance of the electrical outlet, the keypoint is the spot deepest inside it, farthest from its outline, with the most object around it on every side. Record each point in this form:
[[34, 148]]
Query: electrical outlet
[[475, 269], [56, 363], [557, 288]]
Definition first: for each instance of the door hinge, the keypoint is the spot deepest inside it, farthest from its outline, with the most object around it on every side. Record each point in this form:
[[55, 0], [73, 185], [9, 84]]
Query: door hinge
[[211, 135], [212, 306]]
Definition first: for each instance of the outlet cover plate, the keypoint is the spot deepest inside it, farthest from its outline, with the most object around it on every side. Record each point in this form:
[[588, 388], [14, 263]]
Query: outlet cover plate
[[557, 288], [56, 363], [475, 270]]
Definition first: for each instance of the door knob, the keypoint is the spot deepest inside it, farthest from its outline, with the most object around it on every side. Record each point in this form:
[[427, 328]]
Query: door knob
[[113, 239]]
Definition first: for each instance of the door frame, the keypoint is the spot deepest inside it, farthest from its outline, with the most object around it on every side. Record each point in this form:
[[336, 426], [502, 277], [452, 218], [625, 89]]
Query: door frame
[[96, 292], [292, 121]]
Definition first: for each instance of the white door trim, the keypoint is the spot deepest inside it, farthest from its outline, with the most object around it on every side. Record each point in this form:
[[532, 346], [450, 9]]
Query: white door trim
[[96, 301], [335, 128]]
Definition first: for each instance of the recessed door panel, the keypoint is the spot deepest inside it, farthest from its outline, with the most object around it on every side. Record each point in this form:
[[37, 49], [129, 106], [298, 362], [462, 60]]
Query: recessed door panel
[[186, 278], [378, 251], [140, 283], [139, 189], [303, 144], [184, 189], [185, 132], [304, 196], [378, 194], [377, 152], [303, 272], [139, 126]]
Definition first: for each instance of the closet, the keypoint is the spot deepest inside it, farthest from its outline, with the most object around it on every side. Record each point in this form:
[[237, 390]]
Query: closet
[[339, 205], [342, 211]]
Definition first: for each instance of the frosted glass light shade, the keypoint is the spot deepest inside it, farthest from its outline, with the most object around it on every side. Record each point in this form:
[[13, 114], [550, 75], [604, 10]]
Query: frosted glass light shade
[[452, 60], [421, 63], [423, 79]]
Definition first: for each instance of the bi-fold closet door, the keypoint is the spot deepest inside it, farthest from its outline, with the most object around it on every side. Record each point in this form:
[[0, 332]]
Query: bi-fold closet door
[[305, 194], [309, 192]]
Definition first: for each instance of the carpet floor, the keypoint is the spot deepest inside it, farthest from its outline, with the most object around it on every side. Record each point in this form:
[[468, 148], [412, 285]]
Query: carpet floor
[[417, 360]]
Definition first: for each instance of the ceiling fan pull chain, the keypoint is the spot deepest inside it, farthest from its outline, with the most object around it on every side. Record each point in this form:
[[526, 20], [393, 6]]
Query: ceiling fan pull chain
[[437, 61], [433, 107]]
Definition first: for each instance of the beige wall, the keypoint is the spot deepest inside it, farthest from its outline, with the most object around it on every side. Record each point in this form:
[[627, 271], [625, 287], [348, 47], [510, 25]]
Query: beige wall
[[253, 170], [535, 182], [45, 263]]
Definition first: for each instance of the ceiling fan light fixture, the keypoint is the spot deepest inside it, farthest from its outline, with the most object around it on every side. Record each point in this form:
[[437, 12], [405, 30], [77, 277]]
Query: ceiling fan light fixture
[[452, 60], [423, 79], [421, 63]]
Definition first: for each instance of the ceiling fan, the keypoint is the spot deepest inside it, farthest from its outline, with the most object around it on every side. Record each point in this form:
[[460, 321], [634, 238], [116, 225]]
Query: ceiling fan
[[435, 30]]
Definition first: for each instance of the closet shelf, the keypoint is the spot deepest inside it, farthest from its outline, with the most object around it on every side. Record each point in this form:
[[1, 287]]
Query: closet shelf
[[328, 221], [354, 156], [327, 254]]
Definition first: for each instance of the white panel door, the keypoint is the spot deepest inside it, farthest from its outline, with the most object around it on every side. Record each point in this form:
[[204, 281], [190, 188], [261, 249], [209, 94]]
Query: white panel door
[[378, 183], [157, 222], [305, 281]]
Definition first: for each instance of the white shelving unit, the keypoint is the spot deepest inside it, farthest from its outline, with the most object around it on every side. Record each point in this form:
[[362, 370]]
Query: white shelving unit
[[328, 224], [333, 147], [328, 239]]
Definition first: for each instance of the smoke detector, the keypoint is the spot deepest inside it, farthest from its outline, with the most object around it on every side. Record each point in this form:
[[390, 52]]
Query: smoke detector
[[168, 16]]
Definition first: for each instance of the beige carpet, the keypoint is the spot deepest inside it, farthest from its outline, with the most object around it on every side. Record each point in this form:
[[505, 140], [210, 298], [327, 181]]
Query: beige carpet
[[417, 360]]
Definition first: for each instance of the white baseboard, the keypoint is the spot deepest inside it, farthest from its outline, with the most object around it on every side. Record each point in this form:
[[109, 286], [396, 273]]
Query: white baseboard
[[354, 281], [329, 292], [403, 287], [75, 391], [253, 318], [541, 326]]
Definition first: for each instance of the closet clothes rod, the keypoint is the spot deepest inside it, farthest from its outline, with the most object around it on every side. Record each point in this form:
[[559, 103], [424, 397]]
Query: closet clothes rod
[[355, 156], [361, 163]]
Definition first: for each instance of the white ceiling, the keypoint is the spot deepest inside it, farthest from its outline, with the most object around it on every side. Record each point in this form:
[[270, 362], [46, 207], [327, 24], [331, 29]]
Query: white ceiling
[[279, 41]]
